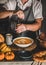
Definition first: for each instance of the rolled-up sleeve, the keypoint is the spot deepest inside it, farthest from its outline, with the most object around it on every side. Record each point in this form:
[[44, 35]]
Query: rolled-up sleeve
[[37, 9], [10, 5]]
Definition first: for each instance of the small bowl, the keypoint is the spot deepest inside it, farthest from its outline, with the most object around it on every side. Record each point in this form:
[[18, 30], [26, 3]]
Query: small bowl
[[42, 39], [23, 45], [43, 44], [42, 36]]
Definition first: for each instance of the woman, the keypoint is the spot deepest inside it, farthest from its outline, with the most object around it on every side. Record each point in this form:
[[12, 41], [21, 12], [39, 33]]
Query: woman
[[22, 7]]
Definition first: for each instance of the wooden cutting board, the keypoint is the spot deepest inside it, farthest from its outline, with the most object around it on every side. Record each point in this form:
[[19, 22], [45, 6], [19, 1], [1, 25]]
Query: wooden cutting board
[[30, 48]]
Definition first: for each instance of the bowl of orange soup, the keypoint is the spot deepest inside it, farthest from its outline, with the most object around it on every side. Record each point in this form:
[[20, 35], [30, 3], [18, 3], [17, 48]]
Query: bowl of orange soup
[[23, 41]]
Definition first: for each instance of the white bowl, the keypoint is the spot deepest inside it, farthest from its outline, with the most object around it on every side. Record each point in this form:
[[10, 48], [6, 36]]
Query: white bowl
[[23, 45]]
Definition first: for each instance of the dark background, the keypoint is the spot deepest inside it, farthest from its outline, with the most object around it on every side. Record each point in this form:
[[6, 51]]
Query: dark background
[[5, 22], [43, 28], [44, 8]]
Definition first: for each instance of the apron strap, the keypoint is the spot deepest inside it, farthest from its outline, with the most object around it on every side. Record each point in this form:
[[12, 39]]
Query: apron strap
[[28, 13], [17, 8]]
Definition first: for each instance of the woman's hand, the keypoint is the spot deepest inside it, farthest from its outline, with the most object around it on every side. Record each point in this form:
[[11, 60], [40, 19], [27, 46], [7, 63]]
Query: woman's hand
[[20, 14], [21, 28]]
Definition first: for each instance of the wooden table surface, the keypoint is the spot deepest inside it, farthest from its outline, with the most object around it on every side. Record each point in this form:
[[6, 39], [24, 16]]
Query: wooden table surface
[[23, 63]]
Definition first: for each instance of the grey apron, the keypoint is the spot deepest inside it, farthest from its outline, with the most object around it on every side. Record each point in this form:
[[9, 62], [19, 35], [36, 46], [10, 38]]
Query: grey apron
[[29, 20]]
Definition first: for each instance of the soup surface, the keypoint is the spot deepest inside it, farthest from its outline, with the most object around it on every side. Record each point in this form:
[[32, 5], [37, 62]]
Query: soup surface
[[23, 41]]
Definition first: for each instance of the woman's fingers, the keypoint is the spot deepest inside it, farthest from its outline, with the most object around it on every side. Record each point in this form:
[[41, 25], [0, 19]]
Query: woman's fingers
[[20, 28]]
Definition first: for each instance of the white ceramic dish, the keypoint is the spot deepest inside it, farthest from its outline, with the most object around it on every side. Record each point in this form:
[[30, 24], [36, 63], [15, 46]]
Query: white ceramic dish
[[23, 45]]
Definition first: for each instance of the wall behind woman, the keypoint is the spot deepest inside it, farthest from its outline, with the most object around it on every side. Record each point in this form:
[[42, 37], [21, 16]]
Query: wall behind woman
[[44, 8], [43, 28]]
